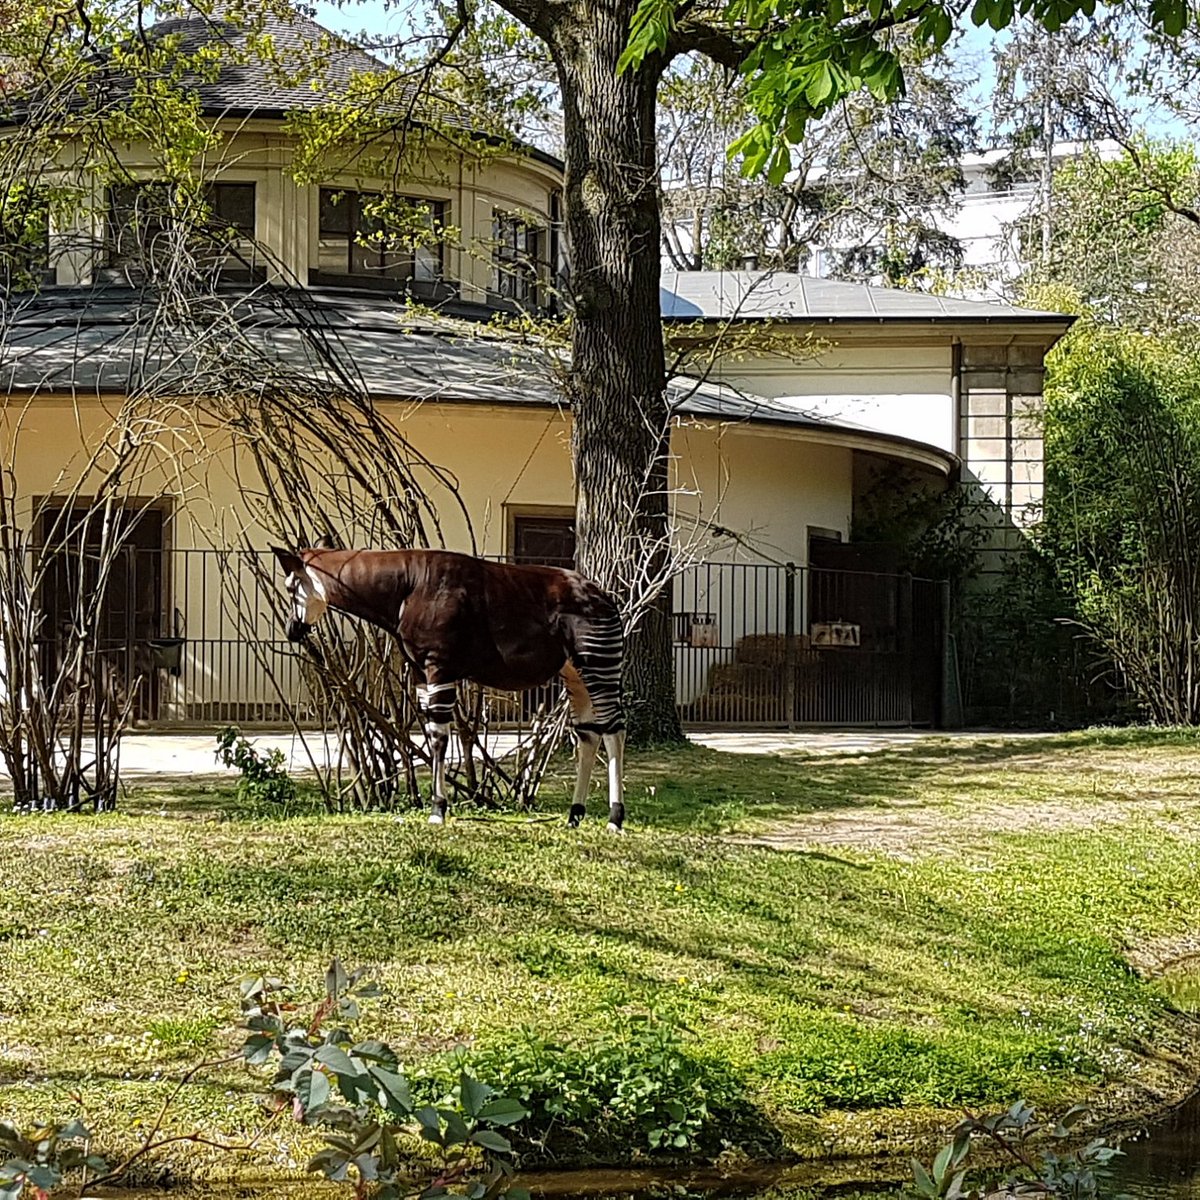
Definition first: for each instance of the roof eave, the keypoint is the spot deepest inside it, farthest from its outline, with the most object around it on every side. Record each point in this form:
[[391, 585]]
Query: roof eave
[[1033, 318]]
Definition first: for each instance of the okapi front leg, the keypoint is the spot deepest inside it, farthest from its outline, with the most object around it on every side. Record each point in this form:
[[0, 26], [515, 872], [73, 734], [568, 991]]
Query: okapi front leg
[[439, 709], [587, 742]]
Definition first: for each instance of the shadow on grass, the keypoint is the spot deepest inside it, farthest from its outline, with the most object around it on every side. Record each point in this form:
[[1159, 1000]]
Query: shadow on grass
[[700, 790]]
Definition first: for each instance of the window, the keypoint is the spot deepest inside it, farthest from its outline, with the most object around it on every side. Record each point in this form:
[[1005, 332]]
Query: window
[[560, 263], [144, 220], [542, 535], [139, 223], [24, 240], [231, 206], [517, 261], [355, 243]]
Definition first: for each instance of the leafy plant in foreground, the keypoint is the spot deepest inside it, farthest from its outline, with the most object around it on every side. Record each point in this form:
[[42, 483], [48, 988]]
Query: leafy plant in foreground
[[39, 1159], [263, 776], [352, 1090], [640, 1088], [356, 1093], [1077, 1171]]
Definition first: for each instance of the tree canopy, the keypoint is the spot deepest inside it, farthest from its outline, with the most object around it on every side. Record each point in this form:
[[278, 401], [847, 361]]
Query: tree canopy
[[801, 57]]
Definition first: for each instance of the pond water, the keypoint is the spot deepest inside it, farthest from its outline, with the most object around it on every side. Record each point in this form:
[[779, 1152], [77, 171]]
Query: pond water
[[1164, 1164]]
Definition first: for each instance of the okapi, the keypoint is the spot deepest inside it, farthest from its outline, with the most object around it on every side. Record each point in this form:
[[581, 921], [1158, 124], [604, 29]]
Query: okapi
[[494, 624]]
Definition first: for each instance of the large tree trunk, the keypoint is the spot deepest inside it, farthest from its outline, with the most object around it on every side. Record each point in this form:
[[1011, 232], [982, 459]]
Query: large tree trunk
[[617, 380]]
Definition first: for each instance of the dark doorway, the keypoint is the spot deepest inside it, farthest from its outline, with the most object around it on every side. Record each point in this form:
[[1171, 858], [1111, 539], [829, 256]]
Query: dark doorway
[[131, 610], [546, 538]]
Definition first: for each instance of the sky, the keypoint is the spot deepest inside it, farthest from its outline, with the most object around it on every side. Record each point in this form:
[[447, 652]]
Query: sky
[[973, 51]]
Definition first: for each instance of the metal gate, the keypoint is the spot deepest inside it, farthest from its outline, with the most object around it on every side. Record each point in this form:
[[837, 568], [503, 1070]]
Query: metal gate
[[759, 644]]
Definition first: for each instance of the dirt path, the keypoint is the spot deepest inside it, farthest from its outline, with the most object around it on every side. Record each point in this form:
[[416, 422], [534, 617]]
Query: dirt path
[[963, 799]]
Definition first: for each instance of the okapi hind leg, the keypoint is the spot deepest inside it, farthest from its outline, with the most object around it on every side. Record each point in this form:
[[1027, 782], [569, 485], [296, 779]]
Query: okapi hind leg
[[439, 709], [592, 724], [614, 747], [589, 746], [587, 743]]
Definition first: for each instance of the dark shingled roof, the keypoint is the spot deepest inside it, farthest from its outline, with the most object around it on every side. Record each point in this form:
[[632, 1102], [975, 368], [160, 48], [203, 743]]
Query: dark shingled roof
[[81, 342], [312, 66], [246, 85]]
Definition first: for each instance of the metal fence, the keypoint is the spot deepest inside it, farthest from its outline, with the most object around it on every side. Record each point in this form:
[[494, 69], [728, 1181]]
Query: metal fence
[[755, 645]]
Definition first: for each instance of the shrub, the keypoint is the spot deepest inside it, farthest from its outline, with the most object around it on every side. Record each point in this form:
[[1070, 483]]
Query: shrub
[[640, 1088], [263, 778]]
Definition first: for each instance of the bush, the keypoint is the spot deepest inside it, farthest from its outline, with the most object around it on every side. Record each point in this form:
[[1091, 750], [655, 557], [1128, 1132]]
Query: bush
[[641, 1088], [1122, 516], [263, 778]]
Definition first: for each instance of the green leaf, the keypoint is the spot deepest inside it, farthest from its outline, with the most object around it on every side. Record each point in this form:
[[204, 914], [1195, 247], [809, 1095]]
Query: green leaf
[[472, 1094], [336, 1059], [941, 1164], [457, 1131], [44, 1177], [924, 1184], [650, 30], [258, 1048], [489, 1139], [375, 1052], [394, 1094], [336, 980], [503, 1111], [312, 1088], [430, 1123]]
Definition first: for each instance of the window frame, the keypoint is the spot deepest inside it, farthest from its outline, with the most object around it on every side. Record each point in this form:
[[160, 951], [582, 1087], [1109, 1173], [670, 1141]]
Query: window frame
[[434, 287], [35, 262], [231, 269], [519, 278], [514, 514]]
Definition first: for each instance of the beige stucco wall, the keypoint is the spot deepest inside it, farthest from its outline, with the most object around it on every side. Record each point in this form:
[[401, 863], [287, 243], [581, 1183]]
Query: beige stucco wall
[[766, 485], [763, 488], [900, 389]]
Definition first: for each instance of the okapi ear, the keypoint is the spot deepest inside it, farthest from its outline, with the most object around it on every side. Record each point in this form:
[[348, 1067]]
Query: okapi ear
[[326, 542], [289, 560]]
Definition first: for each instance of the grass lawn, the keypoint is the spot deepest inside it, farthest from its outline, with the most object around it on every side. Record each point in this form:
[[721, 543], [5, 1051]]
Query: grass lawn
[[848, 946]]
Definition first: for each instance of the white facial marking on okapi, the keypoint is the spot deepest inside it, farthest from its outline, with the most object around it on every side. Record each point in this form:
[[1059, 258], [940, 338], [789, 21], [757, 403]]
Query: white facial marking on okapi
[[495, 624]]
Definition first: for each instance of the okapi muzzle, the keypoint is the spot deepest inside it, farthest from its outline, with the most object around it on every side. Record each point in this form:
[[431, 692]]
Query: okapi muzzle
[[298, 630]]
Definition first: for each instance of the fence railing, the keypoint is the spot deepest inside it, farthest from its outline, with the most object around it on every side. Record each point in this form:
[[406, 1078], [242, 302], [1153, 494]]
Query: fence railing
[[754, 644]]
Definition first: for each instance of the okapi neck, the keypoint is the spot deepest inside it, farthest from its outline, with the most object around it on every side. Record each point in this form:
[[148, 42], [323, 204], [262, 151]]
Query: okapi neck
[[365, 584]]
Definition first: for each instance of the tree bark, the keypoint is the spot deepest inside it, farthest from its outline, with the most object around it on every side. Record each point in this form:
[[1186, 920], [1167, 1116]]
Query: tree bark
[[617, 382]]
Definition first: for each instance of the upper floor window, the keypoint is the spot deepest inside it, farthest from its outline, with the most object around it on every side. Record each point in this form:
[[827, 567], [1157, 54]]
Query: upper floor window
[[149, 224], [367, 239], [24, 240], [518, 261]]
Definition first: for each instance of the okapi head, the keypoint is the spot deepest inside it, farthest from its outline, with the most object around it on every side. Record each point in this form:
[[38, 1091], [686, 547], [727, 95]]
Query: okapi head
[[306, 591]]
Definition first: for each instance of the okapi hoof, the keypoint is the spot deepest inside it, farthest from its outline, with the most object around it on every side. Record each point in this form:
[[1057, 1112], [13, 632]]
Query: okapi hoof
[[575, 817], [437, 819], [614, 828]]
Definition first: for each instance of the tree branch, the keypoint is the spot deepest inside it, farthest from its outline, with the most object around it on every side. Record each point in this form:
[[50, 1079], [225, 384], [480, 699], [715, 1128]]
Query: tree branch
[[541, 17], [693, 35], [725, 48]]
